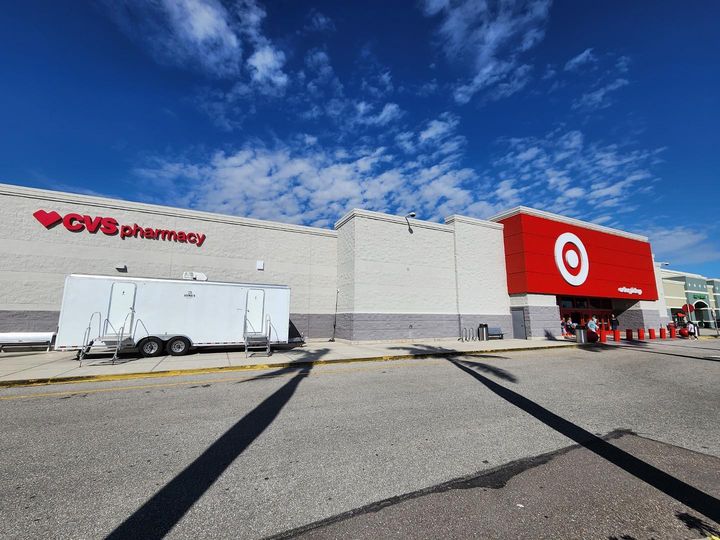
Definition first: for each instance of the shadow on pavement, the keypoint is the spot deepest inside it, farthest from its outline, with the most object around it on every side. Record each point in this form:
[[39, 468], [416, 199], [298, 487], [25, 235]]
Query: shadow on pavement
[[420, 350], [600, 347], [688, 495], [166, 508], [697, 525], [492, 370]]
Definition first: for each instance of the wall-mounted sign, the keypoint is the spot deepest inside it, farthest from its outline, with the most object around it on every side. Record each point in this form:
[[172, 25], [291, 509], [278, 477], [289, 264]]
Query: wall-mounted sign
[[546, 256], [110, 227], [630, 290]]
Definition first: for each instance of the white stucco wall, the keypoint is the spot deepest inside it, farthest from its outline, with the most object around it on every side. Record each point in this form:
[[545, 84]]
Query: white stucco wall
[[35, 260], [480, 264], [396, 271]]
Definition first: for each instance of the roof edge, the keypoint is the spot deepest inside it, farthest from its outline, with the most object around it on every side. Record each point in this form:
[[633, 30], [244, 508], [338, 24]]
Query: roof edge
[[564, 219]]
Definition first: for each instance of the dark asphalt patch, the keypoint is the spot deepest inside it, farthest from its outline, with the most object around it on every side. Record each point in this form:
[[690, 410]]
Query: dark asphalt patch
[[569, 493]]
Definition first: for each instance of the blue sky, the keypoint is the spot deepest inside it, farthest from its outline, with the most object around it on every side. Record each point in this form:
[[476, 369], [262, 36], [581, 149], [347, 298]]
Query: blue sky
[[299, 111]]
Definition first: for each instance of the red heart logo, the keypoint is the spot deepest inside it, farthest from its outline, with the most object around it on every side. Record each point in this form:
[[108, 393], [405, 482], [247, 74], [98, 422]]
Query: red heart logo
[[48, 219]]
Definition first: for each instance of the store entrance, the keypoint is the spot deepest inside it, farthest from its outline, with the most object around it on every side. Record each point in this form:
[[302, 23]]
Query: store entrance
[[581, 308]]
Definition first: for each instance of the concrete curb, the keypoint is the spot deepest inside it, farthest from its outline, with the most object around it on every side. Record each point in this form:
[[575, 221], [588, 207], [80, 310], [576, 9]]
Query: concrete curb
[[260, 367]]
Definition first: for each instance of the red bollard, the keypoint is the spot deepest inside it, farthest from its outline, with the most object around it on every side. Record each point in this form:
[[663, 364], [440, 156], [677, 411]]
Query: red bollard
[[673, 332], [616, 335], [628, 334], [663, 333], [651, 333], [603, 336], [641, 334]]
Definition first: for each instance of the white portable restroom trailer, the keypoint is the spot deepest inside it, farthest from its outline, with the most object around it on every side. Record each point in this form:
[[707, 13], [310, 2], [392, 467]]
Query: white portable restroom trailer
[[158, 316]]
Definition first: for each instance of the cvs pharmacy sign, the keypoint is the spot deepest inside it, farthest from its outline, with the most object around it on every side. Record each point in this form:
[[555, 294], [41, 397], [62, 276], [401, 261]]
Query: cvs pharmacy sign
[[111, 227]]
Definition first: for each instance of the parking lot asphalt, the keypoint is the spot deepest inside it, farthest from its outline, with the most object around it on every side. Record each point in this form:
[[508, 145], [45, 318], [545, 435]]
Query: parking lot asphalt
[[258, 454]]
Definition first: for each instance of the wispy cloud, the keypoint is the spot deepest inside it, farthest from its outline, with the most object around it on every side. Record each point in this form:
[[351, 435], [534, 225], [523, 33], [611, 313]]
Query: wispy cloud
[[584, 58], [493, 37], [202, 33], [599, 98], [303, 181], [318, 22], [567, 174], [208, 35], [683, 245]]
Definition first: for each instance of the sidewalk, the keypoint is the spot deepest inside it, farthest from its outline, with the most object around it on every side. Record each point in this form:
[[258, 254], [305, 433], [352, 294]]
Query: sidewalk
[[27, 368]]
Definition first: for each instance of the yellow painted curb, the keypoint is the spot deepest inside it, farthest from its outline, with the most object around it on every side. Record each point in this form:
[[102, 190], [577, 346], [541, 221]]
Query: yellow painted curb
[[260, 367]]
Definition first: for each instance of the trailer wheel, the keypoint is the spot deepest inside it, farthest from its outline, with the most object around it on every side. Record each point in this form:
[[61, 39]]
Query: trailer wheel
[[150, 347], [178, 346]]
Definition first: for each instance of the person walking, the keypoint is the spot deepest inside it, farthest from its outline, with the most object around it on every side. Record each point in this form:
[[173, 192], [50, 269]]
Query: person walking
[[692, 330], [614, 323]]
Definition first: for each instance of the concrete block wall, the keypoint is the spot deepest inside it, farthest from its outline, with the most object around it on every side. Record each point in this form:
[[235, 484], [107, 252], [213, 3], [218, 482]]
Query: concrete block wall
[[541, 313], [395, 284], [634, 315], [431, 282], [482, 293], [35, 260]]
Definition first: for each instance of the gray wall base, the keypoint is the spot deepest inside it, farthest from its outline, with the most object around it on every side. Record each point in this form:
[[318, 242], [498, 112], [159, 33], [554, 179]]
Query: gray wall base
[[390, 326], [542, 322], [630, 317], [311, 326], [494, 321], [29, 321]]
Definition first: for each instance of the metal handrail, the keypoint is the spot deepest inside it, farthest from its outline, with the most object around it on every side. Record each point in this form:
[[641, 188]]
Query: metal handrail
[[121, 335], [86, 334], [139, 321]]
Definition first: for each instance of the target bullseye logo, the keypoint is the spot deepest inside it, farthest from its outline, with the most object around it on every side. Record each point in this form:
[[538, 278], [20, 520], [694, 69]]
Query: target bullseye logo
[[571, 259]]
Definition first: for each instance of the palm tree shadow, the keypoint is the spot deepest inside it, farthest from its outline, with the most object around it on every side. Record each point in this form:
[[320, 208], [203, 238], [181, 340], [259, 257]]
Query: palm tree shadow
[[677, 489], [157, 516], [487, 368]]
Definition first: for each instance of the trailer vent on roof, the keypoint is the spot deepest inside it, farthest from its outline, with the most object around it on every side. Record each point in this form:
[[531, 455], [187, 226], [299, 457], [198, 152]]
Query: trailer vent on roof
[[195, 276]]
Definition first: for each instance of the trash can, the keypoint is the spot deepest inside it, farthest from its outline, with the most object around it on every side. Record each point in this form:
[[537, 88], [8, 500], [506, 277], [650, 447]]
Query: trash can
[[483, 332], [581, 335]]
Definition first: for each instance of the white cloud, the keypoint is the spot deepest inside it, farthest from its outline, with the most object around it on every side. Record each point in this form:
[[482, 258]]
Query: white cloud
[[584, 58], [494, 37], [682, 245], [561, 172], [207, 34], [266, 65], [439, 127], [202, 33], [389, 113], [599, 98], [304, 181], [622, 64], [318, 22]]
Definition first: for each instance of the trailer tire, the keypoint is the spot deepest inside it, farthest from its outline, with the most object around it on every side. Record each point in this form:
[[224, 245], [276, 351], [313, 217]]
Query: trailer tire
[[151, 347], [178, 346]]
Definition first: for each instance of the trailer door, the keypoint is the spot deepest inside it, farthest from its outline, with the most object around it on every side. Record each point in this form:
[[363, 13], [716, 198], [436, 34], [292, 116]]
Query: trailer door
[[122, 300], [255, 311]]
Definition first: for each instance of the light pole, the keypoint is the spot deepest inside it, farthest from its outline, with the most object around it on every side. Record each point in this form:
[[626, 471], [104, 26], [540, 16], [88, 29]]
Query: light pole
[[410, 215]]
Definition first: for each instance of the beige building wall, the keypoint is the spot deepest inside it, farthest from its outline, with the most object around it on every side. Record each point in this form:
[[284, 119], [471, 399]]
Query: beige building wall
[[482, 293], [398, 284], [35, 260]]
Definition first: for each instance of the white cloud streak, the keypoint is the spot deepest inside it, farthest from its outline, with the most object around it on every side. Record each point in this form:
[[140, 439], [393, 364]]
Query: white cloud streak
[[600, 97], [494, 36], [582, 59]]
